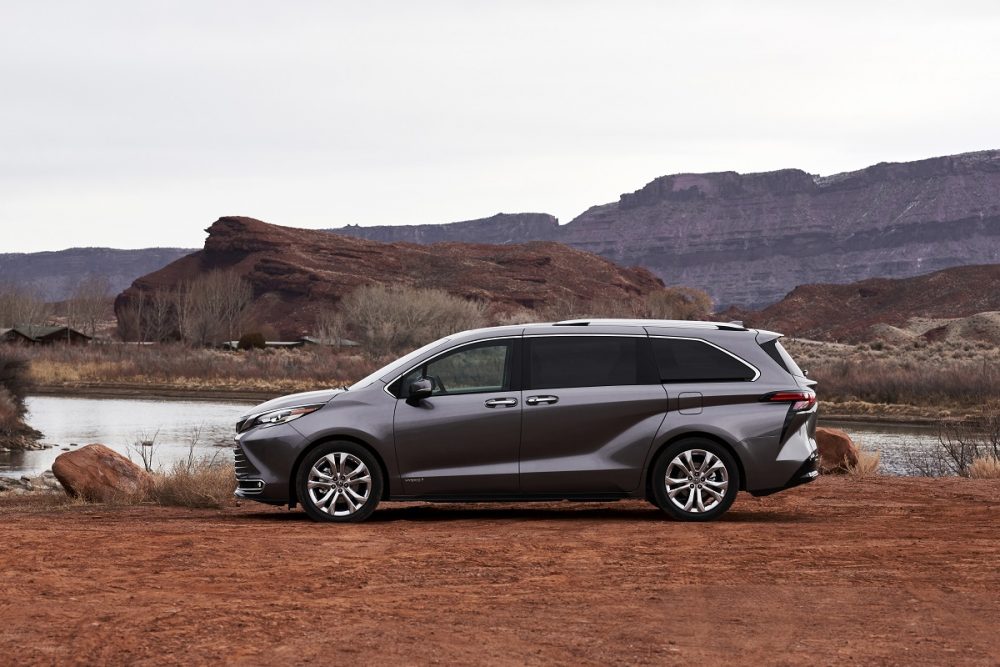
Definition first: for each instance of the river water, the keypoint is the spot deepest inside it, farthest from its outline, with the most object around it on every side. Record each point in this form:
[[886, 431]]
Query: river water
[[177, 426], [173, 426]]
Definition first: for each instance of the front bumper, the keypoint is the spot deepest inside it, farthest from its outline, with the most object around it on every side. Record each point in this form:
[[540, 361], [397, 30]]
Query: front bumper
[[264, 459]]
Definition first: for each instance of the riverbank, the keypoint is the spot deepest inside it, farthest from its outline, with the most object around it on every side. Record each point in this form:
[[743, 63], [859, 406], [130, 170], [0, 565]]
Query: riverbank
[[885, 570]]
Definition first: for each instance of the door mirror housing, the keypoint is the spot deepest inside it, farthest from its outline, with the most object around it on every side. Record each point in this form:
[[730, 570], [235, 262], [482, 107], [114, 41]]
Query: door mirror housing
[[420, 389]]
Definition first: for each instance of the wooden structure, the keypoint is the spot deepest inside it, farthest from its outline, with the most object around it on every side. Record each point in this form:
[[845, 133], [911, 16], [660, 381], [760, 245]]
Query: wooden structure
[[34, 334]]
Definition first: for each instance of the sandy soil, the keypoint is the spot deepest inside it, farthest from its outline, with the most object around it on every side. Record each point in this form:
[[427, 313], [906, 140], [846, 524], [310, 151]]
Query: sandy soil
[[881, 571]]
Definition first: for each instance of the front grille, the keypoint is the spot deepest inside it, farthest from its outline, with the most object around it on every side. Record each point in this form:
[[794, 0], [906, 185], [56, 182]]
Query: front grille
[[243, 466], [247, 482]]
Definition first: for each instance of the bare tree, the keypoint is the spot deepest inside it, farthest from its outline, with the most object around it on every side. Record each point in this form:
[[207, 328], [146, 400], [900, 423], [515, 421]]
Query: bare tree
[[89, 303], [392, 319], [330, 326], [678, 303], [20, 306], [213, 307]]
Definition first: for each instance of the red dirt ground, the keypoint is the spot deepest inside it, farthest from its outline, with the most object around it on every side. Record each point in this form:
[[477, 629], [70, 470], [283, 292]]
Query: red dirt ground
[[880, 571]]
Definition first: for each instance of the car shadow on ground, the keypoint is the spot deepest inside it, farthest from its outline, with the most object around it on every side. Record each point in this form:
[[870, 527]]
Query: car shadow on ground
[[543, 512]]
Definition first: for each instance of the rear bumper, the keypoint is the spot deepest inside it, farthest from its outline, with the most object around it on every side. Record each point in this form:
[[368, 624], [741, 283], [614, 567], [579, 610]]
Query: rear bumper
[[806, 473]]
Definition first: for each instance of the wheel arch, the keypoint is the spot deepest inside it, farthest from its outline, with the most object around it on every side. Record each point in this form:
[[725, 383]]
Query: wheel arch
[[293, 498], [658, 450]]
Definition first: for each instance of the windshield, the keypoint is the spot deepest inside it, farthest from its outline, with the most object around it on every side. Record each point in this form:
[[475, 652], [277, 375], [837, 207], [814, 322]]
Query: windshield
[[397, 365]]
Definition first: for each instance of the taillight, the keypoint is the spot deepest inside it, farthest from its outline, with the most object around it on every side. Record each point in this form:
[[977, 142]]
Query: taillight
[[801, 399]]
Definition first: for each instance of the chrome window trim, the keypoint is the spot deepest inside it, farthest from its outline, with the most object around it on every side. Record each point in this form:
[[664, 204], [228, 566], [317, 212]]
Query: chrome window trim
[[580, 334], [431, 358], [720, 349]]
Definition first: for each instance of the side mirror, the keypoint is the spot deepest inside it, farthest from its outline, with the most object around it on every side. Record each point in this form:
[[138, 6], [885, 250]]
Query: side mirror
[[420, 389]]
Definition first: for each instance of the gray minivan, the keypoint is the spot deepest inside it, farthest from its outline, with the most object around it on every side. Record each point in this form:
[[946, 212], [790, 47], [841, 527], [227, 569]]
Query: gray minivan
[[684, 414]]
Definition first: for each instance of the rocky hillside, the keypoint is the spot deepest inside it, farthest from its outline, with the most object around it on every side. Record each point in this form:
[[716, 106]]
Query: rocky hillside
[[748, 239], [54, 275], [502, 228], [296, 272], [956, 303]]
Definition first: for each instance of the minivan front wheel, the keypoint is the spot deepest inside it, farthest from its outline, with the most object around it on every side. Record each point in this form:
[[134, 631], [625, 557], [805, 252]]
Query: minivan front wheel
[[695, 480], [339, 481]]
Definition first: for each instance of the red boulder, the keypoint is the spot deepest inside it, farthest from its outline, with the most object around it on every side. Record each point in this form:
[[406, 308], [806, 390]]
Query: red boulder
[[96, 472], [837, 452]]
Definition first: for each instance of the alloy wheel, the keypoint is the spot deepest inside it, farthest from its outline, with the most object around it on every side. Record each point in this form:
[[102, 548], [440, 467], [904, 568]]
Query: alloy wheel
[[696, 481], [339, 484]]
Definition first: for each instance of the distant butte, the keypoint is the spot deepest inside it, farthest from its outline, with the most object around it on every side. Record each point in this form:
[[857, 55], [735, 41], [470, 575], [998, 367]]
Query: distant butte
[[296, 272]]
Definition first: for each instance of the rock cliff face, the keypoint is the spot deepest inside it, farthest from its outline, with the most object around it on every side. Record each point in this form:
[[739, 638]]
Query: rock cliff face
[[296, 272], [748, 239], [504, 228], [859, 311]]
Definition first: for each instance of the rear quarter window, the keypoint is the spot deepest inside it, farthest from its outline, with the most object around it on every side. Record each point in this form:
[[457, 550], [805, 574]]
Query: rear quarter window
[[775, 350], [688, 360]]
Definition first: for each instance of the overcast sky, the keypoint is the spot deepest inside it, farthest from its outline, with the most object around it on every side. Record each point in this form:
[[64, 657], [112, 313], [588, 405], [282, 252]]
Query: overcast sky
[[137, 123]]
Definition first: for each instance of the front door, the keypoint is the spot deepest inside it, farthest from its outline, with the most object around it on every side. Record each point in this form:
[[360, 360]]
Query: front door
[[463, 440]]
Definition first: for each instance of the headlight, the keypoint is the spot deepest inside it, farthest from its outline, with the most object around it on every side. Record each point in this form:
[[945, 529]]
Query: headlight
[[275, 417]]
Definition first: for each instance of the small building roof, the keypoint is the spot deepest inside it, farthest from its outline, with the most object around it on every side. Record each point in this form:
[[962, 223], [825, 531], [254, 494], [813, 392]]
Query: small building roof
[[36, 332]]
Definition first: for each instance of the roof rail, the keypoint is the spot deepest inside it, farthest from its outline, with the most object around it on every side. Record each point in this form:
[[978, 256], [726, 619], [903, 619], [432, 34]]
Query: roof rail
[[678, 324]]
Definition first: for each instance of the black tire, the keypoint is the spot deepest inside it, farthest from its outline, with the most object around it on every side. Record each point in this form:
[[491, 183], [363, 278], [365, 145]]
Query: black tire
[[702, 451], [349, 454]]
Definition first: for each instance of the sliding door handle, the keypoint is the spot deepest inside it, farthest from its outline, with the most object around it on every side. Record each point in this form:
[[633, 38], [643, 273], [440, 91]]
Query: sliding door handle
[[498, 402], [541, 400]]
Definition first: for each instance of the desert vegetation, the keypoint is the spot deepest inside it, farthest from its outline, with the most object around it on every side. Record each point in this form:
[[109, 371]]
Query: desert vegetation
[[388, 320], [181, 367], [939, 380], [14, 385], [968, 447], [207, 310]]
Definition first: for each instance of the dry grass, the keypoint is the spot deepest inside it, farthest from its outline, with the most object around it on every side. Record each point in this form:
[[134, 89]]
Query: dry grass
[[987, 467], [931, 375], [181, 367], [202, 484], [867, 466]]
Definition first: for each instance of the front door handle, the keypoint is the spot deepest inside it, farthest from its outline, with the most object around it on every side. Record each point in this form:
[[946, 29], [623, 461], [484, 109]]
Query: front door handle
[[541, 400], [505, 402]]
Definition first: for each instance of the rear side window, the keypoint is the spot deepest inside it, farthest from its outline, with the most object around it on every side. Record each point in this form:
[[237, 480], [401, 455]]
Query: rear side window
[[583, 361], [684, 360]]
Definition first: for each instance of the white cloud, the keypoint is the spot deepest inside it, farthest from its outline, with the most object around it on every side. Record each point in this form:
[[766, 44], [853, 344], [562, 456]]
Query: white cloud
[[135, 124]]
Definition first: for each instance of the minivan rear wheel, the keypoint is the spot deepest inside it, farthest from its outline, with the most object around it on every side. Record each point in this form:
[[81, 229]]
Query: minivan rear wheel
[[339, 481], [695, 479]]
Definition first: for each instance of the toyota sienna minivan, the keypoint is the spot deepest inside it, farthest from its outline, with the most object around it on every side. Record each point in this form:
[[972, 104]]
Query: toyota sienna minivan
[[684, 414]]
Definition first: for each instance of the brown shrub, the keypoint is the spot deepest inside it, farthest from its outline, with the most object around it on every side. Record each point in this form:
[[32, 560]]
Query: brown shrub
[[987, 467], [906, 381], [389, 320], [867, 465], [202, 483], [176, 365]]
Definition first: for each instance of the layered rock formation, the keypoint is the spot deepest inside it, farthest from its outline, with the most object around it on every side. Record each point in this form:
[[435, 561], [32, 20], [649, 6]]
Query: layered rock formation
[[503, 228], [748, 239], [296, 272], [865, 310]]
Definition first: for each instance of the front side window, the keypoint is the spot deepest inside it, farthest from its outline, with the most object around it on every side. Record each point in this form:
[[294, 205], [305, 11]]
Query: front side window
[[685, 360], [473, 369], [584, 361]]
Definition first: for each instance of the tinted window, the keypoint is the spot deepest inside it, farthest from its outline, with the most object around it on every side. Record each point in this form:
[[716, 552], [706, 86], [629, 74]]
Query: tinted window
[[696, 361], [583, 361], [469, 370]]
